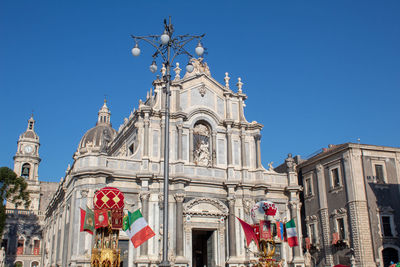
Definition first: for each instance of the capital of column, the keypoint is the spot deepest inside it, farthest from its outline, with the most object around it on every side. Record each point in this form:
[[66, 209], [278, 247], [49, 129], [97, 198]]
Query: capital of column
[[179, 197], [257, 137], [319, 167], [144, 195], [293, 204], [84, 192]]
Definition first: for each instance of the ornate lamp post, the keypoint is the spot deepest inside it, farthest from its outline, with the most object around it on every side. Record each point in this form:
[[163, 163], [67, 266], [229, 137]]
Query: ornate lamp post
[[168, 47]]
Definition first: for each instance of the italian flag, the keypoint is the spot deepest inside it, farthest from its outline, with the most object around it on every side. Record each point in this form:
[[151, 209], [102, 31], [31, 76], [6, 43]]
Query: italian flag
[[137, 228], [291, 233]]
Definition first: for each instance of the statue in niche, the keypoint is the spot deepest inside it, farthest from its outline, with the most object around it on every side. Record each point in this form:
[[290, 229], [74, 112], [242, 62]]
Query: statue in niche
[[105, 140], [201, 142]]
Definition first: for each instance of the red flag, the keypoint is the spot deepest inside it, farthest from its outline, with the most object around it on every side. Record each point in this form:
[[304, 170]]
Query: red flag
[[308, 243], [335, 238], [248, 232], [83, 214], [265, 230], [100, 218]]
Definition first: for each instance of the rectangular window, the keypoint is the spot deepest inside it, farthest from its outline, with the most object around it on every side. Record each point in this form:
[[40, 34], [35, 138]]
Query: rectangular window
[[20, 247], [380, 177], [36, 247], [386, 226], [309, 191], [335, 177], [312, 233], [340, 228]]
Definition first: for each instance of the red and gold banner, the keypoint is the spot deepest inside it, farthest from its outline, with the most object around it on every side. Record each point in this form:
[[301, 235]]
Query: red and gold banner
[[116, 219], [100, 218]]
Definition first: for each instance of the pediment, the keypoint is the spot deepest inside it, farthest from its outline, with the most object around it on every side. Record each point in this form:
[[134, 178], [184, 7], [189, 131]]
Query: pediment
[[205, 207]]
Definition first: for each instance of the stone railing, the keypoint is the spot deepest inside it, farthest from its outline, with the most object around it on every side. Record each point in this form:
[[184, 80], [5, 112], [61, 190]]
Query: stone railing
[[20, 212]]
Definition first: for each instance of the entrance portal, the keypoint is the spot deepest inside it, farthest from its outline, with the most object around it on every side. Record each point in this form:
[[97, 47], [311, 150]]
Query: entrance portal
[[203, 251]]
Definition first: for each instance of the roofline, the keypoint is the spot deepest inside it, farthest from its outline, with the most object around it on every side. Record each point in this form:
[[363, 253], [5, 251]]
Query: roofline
[[345, 146]]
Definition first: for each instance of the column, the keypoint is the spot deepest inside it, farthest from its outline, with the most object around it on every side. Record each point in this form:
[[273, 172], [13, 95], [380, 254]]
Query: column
[[229, 144], [162, 126], [144, 196], [214, 148], [295, 215], [243, 147], [257, 138], [146, 135], [324, 216], [179, 224], [358, 208], [190, 145], [179, 145], [231, 225]]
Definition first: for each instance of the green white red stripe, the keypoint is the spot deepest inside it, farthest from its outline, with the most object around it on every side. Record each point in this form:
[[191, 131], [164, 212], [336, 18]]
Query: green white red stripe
[[291, 233], [137, 228]]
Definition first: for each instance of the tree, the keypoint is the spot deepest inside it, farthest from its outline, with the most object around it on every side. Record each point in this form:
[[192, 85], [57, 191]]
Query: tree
[[14, 189]]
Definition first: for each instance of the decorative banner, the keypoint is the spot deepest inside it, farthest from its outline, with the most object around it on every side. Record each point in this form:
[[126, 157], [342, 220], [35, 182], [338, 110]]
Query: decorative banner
[[89, 221], [116, 219], [100, 218], [265, 230]]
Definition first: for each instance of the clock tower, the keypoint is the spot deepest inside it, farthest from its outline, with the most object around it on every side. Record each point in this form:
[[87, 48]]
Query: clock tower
[[26, 160], [26, 164]]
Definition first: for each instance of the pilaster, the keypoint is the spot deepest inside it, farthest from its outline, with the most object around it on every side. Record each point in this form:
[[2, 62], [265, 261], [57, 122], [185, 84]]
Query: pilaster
[[324, 216]]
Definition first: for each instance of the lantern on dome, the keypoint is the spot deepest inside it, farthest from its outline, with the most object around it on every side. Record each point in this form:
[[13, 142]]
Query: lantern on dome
[[108, 204]]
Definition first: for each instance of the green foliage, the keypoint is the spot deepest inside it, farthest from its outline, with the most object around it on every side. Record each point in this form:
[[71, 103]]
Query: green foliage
[[12, 189]]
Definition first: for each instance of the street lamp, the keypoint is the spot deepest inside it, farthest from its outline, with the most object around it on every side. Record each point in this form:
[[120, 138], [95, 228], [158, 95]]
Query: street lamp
[[168, 48]]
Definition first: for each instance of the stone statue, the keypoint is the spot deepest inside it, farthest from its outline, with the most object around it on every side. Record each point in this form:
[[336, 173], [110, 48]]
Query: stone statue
[[106, 139], [270, 166], [202, 154]]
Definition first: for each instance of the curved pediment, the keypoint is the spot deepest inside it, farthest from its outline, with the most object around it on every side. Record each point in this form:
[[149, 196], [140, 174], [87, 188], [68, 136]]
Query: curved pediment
[[206, 207]]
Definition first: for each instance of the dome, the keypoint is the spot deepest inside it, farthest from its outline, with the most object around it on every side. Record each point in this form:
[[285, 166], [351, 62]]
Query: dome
[[30, 134], [97, 138]]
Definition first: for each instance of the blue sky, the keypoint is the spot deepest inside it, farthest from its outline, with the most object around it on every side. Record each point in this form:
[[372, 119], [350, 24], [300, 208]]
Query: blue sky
[[315, 72]]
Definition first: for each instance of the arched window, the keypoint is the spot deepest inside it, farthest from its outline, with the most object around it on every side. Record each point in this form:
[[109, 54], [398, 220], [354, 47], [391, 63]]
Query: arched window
[[25, 170], [35, 264], [390, 255], [201, 144], [18, 264]]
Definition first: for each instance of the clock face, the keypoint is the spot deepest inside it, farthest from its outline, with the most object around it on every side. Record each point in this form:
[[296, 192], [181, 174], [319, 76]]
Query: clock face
[[28, 149]]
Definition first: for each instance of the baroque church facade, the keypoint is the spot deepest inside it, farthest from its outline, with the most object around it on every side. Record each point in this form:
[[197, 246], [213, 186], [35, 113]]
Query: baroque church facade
[[215, 175]]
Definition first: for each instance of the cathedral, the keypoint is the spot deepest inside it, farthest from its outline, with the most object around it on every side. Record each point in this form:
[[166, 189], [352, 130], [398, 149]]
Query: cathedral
[[215, 175]]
